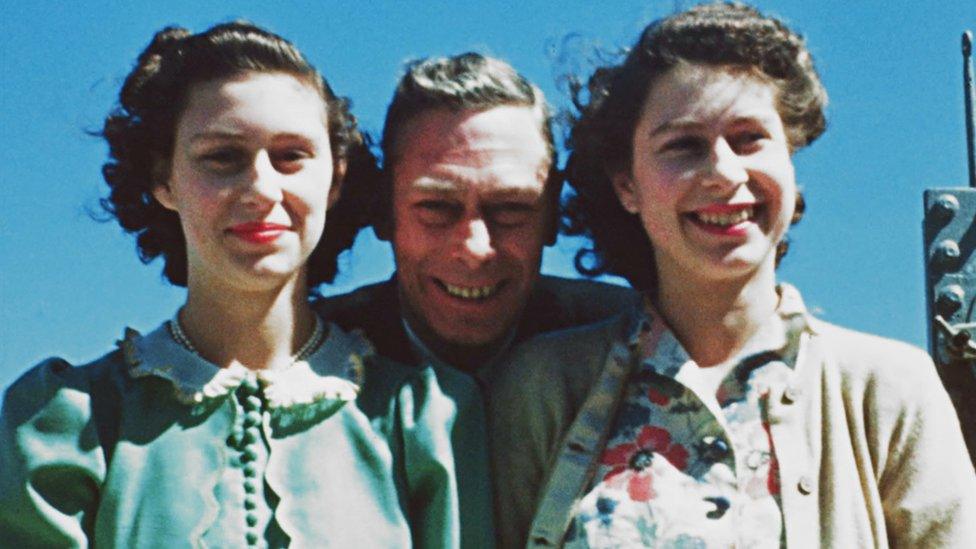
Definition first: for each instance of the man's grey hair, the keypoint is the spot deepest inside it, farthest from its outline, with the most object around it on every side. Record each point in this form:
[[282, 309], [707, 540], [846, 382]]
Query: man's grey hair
[[469, 81]]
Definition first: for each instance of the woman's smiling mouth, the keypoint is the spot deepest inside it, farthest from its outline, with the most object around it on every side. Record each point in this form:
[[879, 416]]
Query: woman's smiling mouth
[[725, 219], [258, 232]]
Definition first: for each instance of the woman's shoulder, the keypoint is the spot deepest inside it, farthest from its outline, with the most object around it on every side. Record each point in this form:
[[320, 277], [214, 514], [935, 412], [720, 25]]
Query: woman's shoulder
[[861, 350], [885, 367], [58, 395]]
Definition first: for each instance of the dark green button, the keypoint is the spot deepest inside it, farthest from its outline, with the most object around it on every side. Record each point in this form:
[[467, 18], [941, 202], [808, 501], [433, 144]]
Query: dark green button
[[252, 419]]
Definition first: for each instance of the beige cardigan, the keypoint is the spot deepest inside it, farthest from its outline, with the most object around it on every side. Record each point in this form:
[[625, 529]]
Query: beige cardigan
[[870, 450]]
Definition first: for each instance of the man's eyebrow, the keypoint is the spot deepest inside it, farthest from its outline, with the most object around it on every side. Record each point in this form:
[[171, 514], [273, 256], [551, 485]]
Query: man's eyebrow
[[434, 185], [517, 193]]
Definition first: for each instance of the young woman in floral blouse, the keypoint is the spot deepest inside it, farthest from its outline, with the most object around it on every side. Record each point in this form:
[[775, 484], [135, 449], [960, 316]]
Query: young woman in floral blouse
[[245, 420], [721, 414]]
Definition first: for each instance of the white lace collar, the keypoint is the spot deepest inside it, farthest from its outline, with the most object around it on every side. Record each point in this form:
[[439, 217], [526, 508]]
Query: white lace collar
[[333, 372]]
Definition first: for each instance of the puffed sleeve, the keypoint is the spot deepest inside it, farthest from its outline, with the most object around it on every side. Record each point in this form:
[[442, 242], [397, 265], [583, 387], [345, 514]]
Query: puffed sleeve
[[927, 483], [51, 461], [441, 418]]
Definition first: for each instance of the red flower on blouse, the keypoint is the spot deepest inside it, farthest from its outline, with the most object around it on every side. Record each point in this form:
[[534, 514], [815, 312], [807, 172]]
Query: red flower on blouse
[[657, 397], [636, 457]]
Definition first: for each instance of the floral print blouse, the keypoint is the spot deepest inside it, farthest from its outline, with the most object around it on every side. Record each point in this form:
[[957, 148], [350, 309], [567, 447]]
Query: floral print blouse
[[685, 466]]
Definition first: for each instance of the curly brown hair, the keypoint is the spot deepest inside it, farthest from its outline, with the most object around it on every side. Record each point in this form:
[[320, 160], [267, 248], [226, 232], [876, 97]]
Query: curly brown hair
[[729, 35], [140, 132]]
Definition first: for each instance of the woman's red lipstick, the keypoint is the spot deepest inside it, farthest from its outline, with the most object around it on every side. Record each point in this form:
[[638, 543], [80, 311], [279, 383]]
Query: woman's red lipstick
[[258, 232]]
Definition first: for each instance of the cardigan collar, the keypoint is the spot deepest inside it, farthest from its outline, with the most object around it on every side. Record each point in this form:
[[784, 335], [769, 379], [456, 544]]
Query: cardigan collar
[[334, 371]]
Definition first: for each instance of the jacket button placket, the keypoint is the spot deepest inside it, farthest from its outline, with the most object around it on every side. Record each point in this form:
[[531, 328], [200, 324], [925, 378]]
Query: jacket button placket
[[251, 403]]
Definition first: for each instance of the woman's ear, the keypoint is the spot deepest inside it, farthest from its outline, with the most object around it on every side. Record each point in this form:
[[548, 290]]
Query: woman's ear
[[623, 185], [161, 192], [338, 177]]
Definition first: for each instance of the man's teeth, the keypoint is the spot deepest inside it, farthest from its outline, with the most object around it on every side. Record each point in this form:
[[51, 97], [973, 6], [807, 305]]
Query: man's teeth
[[726, 219], [476, 292]]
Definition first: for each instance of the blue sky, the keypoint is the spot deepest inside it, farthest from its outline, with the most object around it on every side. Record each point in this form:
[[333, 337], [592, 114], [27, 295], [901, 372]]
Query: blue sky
[[69, 285]]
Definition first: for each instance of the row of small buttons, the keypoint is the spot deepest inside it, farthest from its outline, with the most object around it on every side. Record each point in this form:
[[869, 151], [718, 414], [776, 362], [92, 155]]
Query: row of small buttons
[[251, 402]]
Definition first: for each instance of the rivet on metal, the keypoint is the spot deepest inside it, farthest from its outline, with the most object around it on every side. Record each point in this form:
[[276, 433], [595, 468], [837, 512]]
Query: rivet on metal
[[945, 207], [947, 253], [950, 299]]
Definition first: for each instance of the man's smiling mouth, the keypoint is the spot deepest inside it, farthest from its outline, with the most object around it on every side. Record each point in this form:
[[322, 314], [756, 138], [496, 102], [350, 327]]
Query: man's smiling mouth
[[474, 293]]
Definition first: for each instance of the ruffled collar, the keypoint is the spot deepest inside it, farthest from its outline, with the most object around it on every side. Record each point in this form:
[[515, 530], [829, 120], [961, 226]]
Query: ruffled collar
[[661, 351], [333, 372]]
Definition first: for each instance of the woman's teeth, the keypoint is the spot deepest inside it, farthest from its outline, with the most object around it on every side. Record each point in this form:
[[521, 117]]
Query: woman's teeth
[[475, 292], [725, 219]]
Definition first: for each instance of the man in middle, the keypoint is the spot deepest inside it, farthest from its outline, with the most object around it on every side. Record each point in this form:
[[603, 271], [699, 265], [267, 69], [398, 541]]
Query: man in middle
[[469, 197]]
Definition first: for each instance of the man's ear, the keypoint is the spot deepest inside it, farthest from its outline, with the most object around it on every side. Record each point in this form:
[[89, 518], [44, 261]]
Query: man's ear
[[338, 180], [382, 206], [623, 185], [553, 191]]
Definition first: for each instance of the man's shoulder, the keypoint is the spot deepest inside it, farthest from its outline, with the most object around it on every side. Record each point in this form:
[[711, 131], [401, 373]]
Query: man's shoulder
[[374, 311], [344, 308], [584, 289], [560, 303]]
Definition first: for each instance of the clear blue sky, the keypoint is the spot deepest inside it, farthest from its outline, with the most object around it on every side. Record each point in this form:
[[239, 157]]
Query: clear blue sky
[[69, 285]]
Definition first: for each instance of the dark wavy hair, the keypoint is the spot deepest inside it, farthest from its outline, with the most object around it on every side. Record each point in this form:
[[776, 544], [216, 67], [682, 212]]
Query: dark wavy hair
[[140, 132], [467, 81], [728, 35]]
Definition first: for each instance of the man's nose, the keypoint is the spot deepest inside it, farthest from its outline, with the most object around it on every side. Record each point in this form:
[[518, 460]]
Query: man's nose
[[476, 244]]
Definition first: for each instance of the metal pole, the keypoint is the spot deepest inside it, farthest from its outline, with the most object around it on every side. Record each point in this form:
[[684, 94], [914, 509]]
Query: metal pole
[[968, 90]]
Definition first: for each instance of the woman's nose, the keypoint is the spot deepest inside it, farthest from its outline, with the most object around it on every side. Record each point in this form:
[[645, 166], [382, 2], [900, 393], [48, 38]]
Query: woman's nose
[[726, 168], [264, 183]]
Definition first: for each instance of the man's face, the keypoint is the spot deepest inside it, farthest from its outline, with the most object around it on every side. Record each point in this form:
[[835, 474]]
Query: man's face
[[470, 219]]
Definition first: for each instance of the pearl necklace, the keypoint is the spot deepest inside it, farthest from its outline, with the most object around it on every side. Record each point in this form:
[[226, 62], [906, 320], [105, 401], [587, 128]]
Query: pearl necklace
[[311, 344]]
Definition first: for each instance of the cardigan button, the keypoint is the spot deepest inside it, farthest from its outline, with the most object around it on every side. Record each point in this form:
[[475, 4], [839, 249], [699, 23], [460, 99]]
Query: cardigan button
[[252, 538], [714, 448], [576, 446], [791, 394], [805, 485]]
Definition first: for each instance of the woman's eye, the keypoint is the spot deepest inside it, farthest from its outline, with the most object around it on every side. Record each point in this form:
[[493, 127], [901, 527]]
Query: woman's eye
[[685, 145], [222, 156], [289, 160], [224, 160], [747, 141]]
